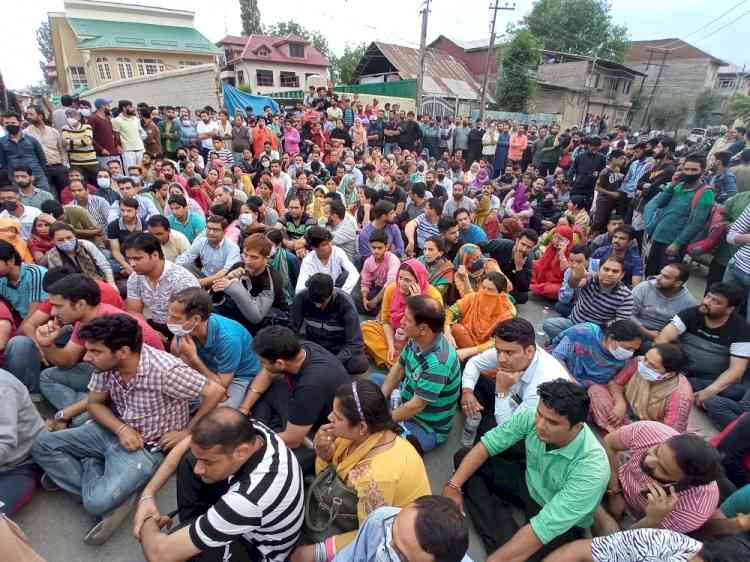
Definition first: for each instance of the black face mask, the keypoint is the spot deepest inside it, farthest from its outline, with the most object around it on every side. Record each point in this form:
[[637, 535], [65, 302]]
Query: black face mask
[[10, 206], [12, 129], [691, 178]]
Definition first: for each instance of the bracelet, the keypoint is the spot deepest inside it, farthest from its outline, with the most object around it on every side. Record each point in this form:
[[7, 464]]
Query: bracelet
[[452, 484], [251, 389], [122, 427], [144, 498], [611, 492]]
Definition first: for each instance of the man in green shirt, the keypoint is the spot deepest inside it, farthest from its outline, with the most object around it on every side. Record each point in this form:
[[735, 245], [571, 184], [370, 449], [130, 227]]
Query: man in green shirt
[[563, 483], [429, 375]]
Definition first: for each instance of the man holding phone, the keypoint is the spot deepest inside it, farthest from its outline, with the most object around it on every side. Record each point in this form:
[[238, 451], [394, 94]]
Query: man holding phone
[[668, 481]]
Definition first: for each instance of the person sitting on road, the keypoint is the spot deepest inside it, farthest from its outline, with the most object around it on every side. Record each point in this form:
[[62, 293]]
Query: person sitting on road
[[378, 270], [83, 256], [324, 257], [215, 252]]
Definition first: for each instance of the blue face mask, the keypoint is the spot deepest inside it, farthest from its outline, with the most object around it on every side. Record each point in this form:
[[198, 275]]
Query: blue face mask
[[66, 245], [621, 354]]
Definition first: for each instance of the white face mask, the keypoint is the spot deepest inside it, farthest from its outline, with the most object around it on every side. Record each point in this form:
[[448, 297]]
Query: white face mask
[[178, 330], [246, 219], [649, 374], [621, 353], [104, 183], [71, 122]]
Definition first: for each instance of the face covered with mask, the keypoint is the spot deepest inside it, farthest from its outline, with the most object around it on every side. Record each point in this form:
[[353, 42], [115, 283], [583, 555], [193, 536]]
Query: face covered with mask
[[691, 172], [178, 323]]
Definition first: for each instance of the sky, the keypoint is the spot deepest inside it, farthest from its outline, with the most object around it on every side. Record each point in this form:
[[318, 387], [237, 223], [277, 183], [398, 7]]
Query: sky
[[398, 21]]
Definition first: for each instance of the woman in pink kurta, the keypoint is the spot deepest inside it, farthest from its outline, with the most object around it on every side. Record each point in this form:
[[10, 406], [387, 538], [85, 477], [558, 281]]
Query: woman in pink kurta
[[518, 143]]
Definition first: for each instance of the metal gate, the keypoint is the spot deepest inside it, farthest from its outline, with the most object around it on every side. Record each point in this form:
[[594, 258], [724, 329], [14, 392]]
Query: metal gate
[[435, 106]]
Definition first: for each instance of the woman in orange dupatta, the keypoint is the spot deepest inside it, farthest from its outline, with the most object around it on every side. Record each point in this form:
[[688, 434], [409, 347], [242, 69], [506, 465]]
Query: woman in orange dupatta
[[469, 323], [548, 271]]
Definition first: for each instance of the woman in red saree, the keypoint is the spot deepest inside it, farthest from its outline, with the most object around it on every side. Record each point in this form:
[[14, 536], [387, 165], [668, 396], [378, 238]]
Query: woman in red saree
[[547, 274]]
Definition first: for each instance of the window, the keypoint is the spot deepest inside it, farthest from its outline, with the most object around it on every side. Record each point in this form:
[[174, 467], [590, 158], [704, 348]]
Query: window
[[727, 83], [188, 63], [125, 68], [289, 80], [77, 77], [264, 77], [240, 76], [102, 66], [626, 86], [263, 52], [148, 67], [297, 50], [596, 80]]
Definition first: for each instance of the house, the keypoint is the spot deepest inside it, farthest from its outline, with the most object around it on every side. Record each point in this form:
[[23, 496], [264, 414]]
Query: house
[[732, 81], [473, 54], [266, 63], [98, 42], [448, 86], [675, 69], [576, 85]]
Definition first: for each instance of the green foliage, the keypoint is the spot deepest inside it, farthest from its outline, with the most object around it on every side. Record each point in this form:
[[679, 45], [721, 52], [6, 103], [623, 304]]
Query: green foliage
[[668, 113], [578, 26], [739, 108], [520, 59], [250, 16], [44, 44], [343, 68], [707, 105], [292, 27]]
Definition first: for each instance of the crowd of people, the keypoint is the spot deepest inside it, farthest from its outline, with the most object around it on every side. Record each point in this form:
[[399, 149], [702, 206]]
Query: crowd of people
[[287, 310]]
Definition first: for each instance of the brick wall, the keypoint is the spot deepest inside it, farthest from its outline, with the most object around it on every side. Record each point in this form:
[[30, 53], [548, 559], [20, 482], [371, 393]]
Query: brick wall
[[191, 87], [569, 74]]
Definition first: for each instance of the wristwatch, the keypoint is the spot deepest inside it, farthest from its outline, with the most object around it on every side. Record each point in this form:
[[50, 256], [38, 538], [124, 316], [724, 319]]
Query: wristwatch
[[60, 415]]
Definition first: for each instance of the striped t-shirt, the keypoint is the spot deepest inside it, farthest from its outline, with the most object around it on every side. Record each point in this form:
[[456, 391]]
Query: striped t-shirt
[[264, 504], [435, 377], [79, 144], [29, 288], [425, 230], [601, 306], [741, 226], [637, 545], [695, 505]]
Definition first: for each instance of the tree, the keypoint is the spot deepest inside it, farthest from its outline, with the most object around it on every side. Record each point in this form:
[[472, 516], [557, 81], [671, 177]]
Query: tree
[[738, 109], [44, 44], [668, 113], [520, 59], [291, 27], [250, 16], [706, 107], [343, 68], [578, 26]]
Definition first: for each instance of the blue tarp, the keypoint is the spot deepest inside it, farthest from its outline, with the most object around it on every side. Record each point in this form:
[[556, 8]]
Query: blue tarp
[[237, 99]]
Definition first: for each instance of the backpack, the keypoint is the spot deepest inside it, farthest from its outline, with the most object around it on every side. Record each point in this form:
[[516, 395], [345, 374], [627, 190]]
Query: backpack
[[713, 232]]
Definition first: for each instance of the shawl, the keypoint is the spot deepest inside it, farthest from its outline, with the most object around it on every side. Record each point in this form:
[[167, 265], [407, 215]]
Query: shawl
[[346, 462], [10, 231], [482, 311], [278, 261], [398, 301], [649, 399], [581, 349], [547, 268], [37, 243], [482, 211], [520, 201], [440, 273]]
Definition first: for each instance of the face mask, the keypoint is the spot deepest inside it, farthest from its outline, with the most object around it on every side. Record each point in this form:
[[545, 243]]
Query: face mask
[[691, 178], [10, 206], [66, 246], [103, 182], [348, 167], [85, 112], [178, 330], [649, 374], [71, 122], [246, 219], [12, 129], [621, 353]]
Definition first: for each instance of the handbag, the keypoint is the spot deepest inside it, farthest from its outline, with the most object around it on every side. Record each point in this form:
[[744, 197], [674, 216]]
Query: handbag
[[330, 507]]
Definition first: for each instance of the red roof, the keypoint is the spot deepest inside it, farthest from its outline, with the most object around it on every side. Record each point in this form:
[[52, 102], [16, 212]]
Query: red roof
[[676, 48], [277, 50]]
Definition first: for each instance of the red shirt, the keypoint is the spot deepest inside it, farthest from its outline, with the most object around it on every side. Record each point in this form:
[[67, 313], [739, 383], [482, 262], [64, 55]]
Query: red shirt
[[104, 136], [109, 296], [6, 314], [150, 336], [67, 197]]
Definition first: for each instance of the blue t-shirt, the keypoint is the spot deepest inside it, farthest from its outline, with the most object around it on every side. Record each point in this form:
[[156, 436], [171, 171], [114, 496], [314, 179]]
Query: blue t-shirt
[[28, 290], [228, 349], [633, 262], [193, 227], [474, 235]]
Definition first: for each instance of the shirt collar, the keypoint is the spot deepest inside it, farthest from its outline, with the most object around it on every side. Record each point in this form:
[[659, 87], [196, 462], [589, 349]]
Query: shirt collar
[[571, 450], [528, 374]]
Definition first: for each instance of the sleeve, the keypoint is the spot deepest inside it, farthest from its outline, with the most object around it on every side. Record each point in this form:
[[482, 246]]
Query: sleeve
[[679, 406], [431, 383], [113, 230], [697, 218], [508, 434], [385, 305], [740, 226], [485, 361], [192, 254], [352, 330], [183, 382], [683, 319], [305, 272], [252, 308], [522, 279], [98, 382], [8, 422], [564, 348], [307, 402], [134, 287], [638, 291], [150, 208], [297, 315], [643, 434], [579, 496], [114, 213], [353, 277], [101, 262], [366, 277], [398, 241], [393, 266], [625, 310], [233, 255], [38, 151], [231, 517]]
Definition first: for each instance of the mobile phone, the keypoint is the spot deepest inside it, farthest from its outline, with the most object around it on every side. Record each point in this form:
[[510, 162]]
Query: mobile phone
[[669, 488]]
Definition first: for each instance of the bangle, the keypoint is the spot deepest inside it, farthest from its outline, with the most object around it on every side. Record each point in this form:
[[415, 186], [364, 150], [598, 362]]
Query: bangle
[[611, 492], [251, 389], [122, 427], [144, 498], [452, 484]]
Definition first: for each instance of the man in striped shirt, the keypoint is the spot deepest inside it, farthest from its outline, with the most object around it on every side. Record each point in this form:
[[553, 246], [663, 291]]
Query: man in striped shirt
[[239, 492], [78, 140], [668, 481], [425, 226], [602, 298]]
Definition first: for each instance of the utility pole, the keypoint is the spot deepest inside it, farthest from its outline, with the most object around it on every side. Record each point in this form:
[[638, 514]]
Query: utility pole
[[508, 6], [422, 53], [592, 71], [665, 52]]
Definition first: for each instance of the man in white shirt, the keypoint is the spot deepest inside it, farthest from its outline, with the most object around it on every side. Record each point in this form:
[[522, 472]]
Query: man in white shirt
[[521, 366], [216, 252], [326, 258], [206, 129], [128, 126], [10, 200]]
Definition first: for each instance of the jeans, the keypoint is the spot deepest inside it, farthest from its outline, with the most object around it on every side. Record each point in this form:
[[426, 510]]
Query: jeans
[[735, 275], [63, 387], [726, 406], [553, 326], [17, 486], [236, 392], [389, 147], [22, 358], [733, 448], [89, 461]]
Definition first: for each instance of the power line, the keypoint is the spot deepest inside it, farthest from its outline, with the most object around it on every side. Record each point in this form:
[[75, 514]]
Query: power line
[[701, 28], [724, 26]]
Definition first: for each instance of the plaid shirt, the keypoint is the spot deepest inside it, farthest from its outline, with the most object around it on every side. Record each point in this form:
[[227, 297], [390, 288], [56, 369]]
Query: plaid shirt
[[156, 400]]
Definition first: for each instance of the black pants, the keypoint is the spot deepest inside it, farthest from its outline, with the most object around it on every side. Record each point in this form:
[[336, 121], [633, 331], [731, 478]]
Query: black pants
[[194, 498], [715, 273], [657, 258], [726, 406], [493, 492], [734, 447], [57, 176]]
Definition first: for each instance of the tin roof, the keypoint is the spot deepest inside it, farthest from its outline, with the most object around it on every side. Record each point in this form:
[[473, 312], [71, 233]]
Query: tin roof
[[269, 48], [677, 49]]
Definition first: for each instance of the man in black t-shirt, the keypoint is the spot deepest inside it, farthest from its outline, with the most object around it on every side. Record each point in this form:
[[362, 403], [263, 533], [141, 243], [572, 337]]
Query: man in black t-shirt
[[607, 188], [515, 261], [297, 384], [717, 342]]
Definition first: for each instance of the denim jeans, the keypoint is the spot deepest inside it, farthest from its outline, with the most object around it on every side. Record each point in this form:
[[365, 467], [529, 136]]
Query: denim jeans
[[553, 326], [22, 358], [735, 275], [726, 406], [427, 439], [389, 147], [63, 387], [236, 392], [89, 461]]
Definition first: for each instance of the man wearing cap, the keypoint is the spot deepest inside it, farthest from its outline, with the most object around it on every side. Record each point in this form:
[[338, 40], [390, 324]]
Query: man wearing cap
[[105, 142]]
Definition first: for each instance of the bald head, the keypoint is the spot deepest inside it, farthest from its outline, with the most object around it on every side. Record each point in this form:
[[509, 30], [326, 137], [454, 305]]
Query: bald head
[[225, 427]]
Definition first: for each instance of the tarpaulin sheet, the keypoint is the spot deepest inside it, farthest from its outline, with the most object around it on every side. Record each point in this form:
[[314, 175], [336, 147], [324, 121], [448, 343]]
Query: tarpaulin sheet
[[237, 99]]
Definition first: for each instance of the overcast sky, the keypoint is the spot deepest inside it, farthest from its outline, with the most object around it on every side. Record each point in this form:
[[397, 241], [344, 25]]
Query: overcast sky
[[398, 21]]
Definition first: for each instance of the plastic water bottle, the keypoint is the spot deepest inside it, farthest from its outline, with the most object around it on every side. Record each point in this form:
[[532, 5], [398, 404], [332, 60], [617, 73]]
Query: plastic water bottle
[[395, 399], [470, 429], [545, 315]]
